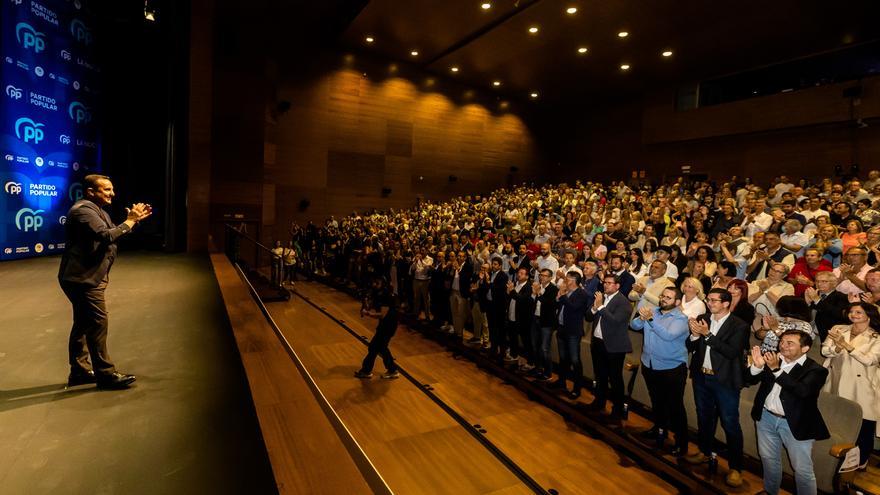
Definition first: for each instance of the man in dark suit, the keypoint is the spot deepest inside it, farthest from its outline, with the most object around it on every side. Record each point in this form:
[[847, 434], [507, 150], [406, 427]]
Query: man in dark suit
[[829, 304], [616, 267], [610, 343], [460, 292], [519, 312], [786, 411], [543, 321], [572, 300], [89, 252], [718, 341], [495, 287]]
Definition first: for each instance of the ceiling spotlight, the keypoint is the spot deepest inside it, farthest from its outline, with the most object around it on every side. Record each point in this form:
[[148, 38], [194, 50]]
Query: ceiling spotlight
[[453, 69], [496, 83], [622, 34], [582, 49], [369, 39], [571, 10], [624, 67], [486, 6], [667, 53], [414, 53], [534, 94], [533, 29]]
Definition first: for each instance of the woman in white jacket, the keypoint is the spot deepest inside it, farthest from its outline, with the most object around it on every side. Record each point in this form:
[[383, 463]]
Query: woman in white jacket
[[853, 359]]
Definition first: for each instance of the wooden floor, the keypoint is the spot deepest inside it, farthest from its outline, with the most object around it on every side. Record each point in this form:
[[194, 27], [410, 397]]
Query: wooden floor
[[415, 445]]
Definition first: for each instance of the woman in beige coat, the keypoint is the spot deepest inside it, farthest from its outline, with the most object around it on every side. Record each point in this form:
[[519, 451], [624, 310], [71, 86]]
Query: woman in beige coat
[[853, 359]]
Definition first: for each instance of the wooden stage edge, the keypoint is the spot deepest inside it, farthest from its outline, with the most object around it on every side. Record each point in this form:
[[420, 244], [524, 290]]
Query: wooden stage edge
[[310, 449]]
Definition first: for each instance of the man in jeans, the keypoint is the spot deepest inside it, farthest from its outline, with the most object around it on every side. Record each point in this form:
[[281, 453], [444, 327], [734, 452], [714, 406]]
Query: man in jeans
[[573, 303], [785, 409], [544, 319]]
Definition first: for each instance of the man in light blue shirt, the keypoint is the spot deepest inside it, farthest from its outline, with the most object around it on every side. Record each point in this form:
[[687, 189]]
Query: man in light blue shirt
[[664, 366]]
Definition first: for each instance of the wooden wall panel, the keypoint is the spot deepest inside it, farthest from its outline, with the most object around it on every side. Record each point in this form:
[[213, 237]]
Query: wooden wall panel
[[347, 136]]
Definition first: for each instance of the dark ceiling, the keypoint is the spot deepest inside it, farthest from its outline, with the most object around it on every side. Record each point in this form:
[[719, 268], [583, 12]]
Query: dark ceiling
[[707, 38]]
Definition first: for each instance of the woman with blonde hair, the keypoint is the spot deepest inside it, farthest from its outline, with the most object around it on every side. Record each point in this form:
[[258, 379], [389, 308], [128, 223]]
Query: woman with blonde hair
[[692, 304], [852, 355], [828, 242]]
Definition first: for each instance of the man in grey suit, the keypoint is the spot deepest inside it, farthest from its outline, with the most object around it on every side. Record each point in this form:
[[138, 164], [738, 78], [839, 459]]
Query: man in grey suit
[[89, 253], [610, 343]]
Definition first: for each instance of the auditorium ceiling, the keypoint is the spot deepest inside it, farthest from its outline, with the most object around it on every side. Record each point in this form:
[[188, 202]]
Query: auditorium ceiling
[[706, 39]]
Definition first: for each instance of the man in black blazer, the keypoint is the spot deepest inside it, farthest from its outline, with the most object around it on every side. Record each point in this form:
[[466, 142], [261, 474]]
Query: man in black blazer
[[89, 252], [829, 304], [544, 293], [519, 312], [718, 342], [495, 288], [460, 292], [786, 411], [573, 303], [610, 343]]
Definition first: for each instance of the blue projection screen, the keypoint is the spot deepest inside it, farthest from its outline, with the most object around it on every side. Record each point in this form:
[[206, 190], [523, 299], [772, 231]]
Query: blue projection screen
[[49, 137]]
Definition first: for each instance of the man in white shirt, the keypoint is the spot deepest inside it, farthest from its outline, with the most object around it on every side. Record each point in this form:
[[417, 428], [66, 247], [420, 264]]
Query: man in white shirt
[[755, 219], [851, 273], [545, 260], [568, 266], [663, 253], [785, 409]]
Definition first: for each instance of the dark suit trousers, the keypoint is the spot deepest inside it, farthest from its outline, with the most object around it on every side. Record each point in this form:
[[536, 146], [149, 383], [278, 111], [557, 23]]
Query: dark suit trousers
[[608, 369], [715, 401], [88, 336], [496, 319], [666, 388]]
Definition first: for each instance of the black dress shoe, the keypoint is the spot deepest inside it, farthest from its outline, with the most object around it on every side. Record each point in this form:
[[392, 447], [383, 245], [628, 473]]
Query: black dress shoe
[[80, 378], [115, 381], [650, 434], [574, 394]]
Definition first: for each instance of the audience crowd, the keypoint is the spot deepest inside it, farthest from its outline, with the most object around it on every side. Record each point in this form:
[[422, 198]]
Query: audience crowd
[[732, 284]]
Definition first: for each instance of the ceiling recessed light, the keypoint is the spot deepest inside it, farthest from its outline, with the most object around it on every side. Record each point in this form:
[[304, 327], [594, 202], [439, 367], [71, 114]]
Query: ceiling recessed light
[[622, 34], [414, 53], [667, 53], [496, 83], [369, 39], [486, 6], [571, 10], [453, 69], [624, 66], [534, 94], [582, 49], [533, 29]]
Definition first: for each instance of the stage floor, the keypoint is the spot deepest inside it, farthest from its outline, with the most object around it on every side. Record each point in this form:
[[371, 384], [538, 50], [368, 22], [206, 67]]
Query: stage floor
[[187, 426]]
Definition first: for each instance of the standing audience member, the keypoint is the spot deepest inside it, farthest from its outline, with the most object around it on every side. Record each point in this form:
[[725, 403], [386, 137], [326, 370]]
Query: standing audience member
[[519, 313], [572, 300], [718, 343], [495, 287], [852, 355], [544, 320], [647, 290], [610, 343], [664, 366], [786, 410], [828, 305]]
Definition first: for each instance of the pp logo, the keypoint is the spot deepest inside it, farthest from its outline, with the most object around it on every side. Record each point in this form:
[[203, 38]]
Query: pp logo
[[64, 139], [13, 188], [75, 191], [13, 92], [30, 37], [8, 158], [7, 251], [38, 161], [29, 131], [75, 166], [39, 71], [65, 55], [28, 220], [62, 219], [38, 248], [79, 112], [79, 31]]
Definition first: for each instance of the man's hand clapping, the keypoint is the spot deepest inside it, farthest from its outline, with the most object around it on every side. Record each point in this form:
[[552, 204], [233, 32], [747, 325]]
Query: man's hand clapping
[[138, 212]]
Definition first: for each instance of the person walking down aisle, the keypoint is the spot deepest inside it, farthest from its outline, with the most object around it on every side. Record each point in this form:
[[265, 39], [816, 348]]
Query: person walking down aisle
[[382, 305]]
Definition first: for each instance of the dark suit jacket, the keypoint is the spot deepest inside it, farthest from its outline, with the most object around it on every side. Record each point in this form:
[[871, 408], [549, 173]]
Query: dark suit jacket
[[614, 319], [465, 279], [90, 244], [524, 307], [575, 305], [547, 318], [626, 283], [799, 396], [498, 288], [829, 312], [728, 351]]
